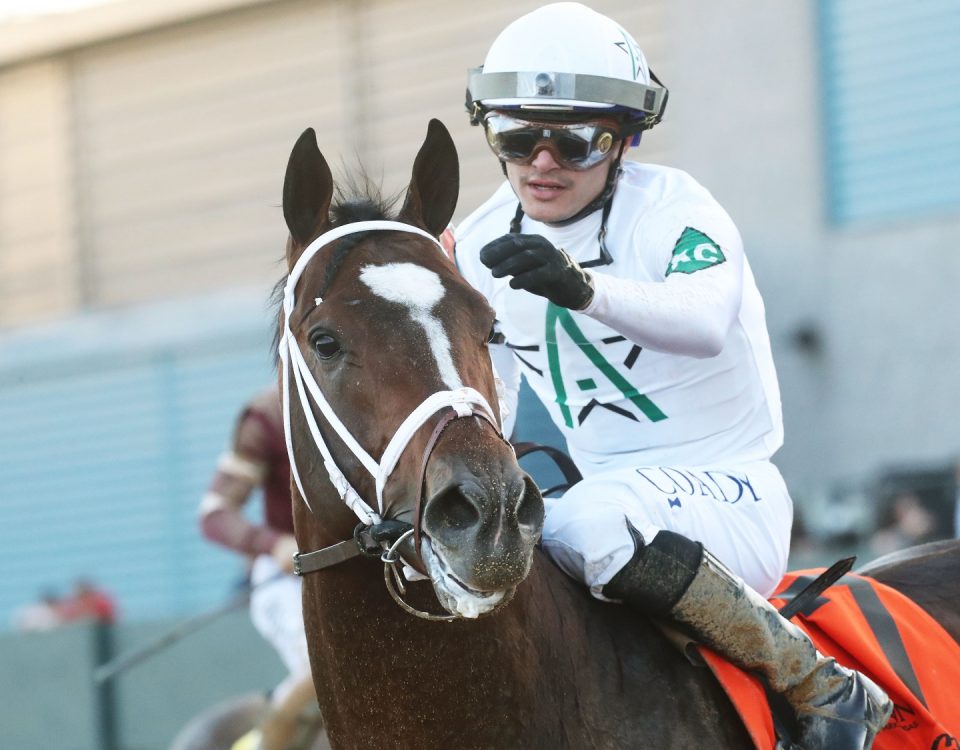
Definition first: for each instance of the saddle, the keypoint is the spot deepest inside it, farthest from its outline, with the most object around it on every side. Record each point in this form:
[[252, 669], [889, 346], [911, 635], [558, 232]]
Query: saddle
[[867, 626]]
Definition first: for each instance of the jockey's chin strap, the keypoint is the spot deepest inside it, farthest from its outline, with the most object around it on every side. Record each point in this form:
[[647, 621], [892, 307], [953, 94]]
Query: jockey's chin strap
[[374, 533]]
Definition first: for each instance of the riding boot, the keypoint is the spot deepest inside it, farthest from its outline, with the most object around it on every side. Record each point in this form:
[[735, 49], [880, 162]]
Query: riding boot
[[836, 708]]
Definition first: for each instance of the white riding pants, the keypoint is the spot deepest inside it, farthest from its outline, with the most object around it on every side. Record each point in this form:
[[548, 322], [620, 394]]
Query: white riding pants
[[276, 609], [742, 514]]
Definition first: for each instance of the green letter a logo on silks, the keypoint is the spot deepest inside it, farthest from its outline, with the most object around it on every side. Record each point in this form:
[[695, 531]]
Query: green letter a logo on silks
[[693, 252]]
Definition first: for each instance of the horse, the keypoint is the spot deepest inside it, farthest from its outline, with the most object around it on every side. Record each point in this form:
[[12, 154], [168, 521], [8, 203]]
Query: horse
[[384, 353]]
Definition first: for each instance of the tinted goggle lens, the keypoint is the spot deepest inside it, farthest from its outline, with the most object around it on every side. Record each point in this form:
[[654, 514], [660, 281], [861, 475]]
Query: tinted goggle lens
[[577, 146]]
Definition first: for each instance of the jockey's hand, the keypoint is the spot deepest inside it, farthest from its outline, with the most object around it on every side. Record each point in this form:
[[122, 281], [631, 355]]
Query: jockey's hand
[[540, 268], [283, 551]]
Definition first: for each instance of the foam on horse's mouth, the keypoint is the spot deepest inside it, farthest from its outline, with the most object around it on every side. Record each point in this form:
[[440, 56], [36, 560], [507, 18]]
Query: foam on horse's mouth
[[454, 595]]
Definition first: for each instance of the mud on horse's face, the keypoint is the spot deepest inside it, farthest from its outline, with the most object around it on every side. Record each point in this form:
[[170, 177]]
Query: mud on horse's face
[[395, 342]]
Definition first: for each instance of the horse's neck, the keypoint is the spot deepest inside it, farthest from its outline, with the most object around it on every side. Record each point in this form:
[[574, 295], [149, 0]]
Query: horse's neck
[[554, 667], [364, 628]]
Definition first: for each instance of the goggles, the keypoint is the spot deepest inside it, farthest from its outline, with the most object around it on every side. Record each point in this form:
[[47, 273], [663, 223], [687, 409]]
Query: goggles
[[575, 145]]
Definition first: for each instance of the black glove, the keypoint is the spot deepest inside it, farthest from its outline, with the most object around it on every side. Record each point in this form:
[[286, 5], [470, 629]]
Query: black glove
[[540, 268]]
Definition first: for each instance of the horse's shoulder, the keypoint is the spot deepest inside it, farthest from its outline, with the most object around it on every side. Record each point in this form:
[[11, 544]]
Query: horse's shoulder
[[608, 661]]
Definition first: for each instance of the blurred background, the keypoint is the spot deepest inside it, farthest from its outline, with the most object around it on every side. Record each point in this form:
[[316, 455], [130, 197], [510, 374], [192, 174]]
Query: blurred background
[[142, 151]]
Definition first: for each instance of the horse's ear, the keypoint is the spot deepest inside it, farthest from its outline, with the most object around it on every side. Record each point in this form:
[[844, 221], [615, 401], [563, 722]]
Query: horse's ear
[[432, 195], [307, 192]]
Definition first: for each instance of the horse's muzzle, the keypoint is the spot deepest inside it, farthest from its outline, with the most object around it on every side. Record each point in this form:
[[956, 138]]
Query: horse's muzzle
[[482, 527]]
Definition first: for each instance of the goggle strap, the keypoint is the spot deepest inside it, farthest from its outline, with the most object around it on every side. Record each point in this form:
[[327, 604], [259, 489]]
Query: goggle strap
[[606, 197], [517, 218]]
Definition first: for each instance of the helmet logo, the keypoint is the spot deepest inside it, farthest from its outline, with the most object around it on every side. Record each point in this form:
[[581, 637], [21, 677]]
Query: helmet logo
[[545, 84], [630, 47]]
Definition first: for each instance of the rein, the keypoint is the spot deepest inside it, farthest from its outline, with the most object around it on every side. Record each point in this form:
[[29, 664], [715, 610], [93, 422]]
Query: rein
[[374, 536]]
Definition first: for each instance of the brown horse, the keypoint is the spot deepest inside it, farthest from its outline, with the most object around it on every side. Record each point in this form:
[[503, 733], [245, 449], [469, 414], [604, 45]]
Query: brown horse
[[378, 322]]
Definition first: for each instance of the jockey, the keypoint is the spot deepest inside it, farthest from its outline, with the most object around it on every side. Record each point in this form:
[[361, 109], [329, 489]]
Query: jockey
[[624, 298], [257, 458]]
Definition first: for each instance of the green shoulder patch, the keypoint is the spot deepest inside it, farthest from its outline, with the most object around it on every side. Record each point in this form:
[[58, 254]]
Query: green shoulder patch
[[693, 252]]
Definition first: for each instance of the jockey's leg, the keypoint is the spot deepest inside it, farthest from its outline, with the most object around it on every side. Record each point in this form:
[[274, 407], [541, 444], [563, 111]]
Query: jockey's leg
[[293, 722], [276, 612], [836, 708], [743, 516]]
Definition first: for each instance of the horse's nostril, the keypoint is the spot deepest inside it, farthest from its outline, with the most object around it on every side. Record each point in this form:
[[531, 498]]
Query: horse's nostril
[[452, 509], [530, 508]]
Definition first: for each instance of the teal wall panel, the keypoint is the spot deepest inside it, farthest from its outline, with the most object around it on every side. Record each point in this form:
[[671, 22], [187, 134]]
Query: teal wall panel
[[105, 453], [891, 107]]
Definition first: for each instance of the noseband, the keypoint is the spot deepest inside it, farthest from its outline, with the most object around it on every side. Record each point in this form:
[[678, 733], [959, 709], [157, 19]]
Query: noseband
[[458, 403]]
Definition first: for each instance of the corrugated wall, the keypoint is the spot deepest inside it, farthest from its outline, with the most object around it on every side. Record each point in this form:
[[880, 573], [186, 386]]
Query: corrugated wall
[[183, 136], [892, 107], [39, 269]]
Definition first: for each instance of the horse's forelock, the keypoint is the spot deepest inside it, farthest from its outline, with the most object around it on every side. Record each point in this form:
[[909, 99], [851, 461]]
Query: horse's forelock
[[359, 198]]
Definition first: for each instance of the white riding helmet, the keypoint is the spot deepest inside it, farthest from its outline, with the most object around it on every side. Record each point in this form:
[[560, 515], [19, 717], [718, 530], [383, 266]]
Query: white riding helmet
[[566, 57]]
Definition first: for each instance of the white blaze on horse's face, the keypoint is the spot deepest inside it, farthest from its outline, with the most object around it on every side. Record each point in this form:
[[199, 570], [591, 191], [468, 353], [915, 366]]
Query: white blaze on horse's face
[[419, 290]]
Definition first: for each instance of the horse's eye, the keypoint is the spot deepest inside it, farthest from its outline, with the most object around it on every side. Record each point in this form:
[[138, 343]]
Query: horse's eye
[[495, 337], [325, 345]]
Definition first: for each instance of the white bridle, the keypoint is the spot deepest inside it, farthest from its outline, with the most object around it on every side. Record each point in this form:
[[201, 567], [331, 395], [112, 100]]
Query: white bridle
[[463, 401]]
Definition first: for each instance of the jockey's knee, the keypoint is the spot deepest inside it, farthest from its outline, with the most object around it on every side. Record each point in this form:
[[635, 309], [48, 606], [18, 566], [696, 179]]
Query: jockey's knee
[[658, 574], [588, 540]]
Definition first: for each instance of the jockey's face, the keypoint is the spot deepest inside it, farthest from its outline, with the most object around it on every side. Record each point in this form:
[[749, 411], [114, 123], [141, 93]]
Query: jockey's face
[[550, 192]]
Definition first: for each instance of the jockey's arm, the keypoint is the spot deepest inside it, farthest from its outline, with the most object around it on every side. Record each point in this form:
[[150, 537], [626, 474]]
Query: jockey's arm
[[221, 510], [240, 470], [688, 314]]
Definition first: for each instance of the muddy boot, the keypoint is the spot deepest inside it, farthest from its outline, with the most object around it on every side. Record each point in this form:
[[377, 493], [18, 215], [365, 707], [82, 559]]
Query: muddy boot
[[673, 577]]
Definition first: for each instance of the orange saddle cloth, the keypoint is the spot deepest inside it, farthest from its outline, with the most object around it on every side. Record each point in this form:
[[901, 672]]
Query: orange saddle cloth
[[876, 630]]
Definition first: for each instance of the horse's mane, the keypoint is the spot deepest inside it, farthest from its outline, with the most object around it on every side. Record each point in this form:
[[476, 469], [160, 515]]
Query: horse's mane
[[357, 198]]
